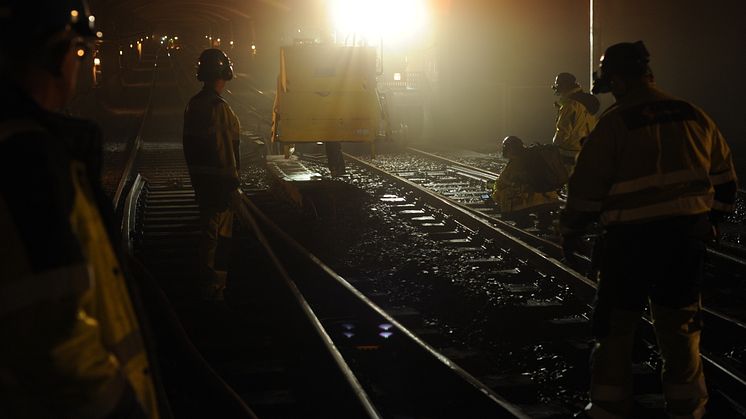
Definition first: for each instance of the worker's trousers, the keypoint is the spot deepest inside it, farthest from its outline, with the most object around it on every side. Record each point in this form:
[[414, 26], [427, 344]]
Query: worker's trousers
[[213, 224], [660, 263]]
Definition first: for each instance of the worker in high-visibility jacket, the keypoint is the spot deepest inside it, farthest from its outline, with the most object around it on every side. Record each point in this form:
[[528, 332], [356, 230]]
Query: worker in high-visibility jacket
[[211, 148], [659, 175], [575, 117], [70, 340], [514, 194]]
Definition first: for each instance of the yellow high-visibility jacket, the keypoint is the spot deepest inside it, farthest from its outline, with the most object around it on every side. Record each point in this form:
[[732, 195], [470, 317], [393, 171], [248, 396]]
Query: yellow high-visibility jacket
[[651, 156], [211, 148], [70, 341], [574, 122], [512, 193]]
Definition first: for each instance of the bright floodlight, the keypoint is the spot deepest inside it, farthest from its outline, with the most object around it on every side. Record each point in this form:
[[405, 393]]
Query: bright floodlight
[[390, 20]]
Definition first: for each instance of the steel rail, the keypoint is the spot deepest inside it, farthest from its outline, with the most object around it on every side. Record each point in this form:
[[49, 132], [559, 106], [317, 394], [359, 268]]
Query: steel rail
[[478, 388], [130, 213], [544, 261], [491, 176], [248, 213], [135, 145], [554, 250]]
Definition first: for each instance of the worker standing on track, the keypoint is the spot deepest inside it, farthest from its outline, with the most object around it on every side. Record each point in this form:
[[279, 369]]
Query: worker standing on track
[[659, 174], [513, 192], [575, 120], [211, 140], [72, 344]]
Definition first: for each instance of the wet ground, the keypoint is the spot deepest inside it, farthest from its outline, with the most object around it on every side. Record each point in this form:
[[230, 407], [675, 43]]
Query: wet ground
[[473, 296]]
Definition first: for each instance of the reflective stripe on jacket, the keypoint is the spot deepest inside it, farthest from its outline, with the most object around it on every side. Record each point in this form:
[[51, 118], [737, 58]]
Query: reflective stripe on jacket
[[71, 342], [652, 156], [573, 123], [512, 192]]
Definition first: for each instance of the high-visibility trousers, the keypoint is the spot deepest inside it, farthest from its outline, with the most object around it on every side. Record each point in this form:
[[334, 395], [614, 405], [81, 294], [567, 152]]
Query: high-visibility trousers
[[659, 263]]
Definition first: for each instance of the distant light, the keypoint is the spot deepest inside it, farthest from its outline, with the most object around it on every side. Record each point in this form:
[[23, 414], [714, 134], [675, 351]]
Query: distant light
[[210, 38], [363, 18], [120, 52], [385, 335], [80, 52], [231, 43], [298, 30], [385, 326], [74, 14], [319, 143], [96, 61], [161, 42], [91, 18], [253, 46], [131, 46], [176, 38], [205, 36], [397, 76], [348, 334], [99, 34], [348, 326], [147, 37], [218, 39], [169, 54]]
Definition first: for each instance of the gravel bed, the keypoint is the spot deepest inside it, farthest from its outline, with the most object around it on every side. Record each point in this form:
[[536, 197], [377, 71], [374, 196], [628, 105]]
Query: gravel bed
[[475, 308]]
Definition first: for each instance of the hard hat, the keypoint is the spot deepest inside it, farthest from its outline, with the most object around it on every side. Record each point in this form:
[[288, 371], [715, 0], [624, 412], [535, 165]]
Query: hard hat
[[563, 81], [41, 32], [214, 64], [626, 59], [511, 141], [37, 21]]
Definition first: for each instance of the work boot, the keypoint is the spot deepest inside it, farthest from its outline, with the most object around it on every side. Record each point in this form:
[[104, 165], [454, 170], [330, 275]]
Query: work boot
[[212, 289]]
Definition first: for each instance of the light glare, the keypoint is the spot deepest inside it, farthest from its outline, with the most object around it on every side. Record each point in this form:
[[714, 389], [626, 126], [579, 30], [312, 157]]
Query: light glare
[[404, 19]]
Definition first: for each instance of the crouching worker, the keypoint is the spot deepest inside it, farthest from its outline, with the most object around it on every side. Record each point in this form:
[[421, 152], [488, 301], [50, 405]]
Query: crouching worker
[[514, 193]]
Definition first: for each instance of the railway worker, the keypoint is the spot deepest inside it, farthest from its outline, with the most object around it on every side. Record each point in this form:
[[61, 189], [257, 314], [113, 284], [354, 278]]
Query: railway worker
[[211, 139], [70, 341], [659, 174], [575, 120], [513, 192]]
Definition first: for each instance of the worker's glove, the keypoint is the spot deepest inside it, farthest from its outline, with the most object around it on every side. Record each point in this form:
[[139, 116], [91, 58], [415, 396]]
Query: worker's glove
[[571, 243]]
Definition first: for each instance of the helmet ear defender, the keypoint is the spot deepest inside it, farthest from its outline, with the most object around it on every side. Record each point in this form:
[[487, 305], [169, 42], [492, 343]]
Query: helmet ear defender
[[227, 73]]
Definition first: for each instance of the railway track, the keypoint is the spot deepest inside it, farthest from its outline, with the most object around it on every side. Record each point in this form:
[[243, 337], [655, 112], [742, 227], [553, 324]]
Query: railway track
[[725, 288], [487, 167], [353, 338], [450, 279], [722, 345], [293, 339]]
